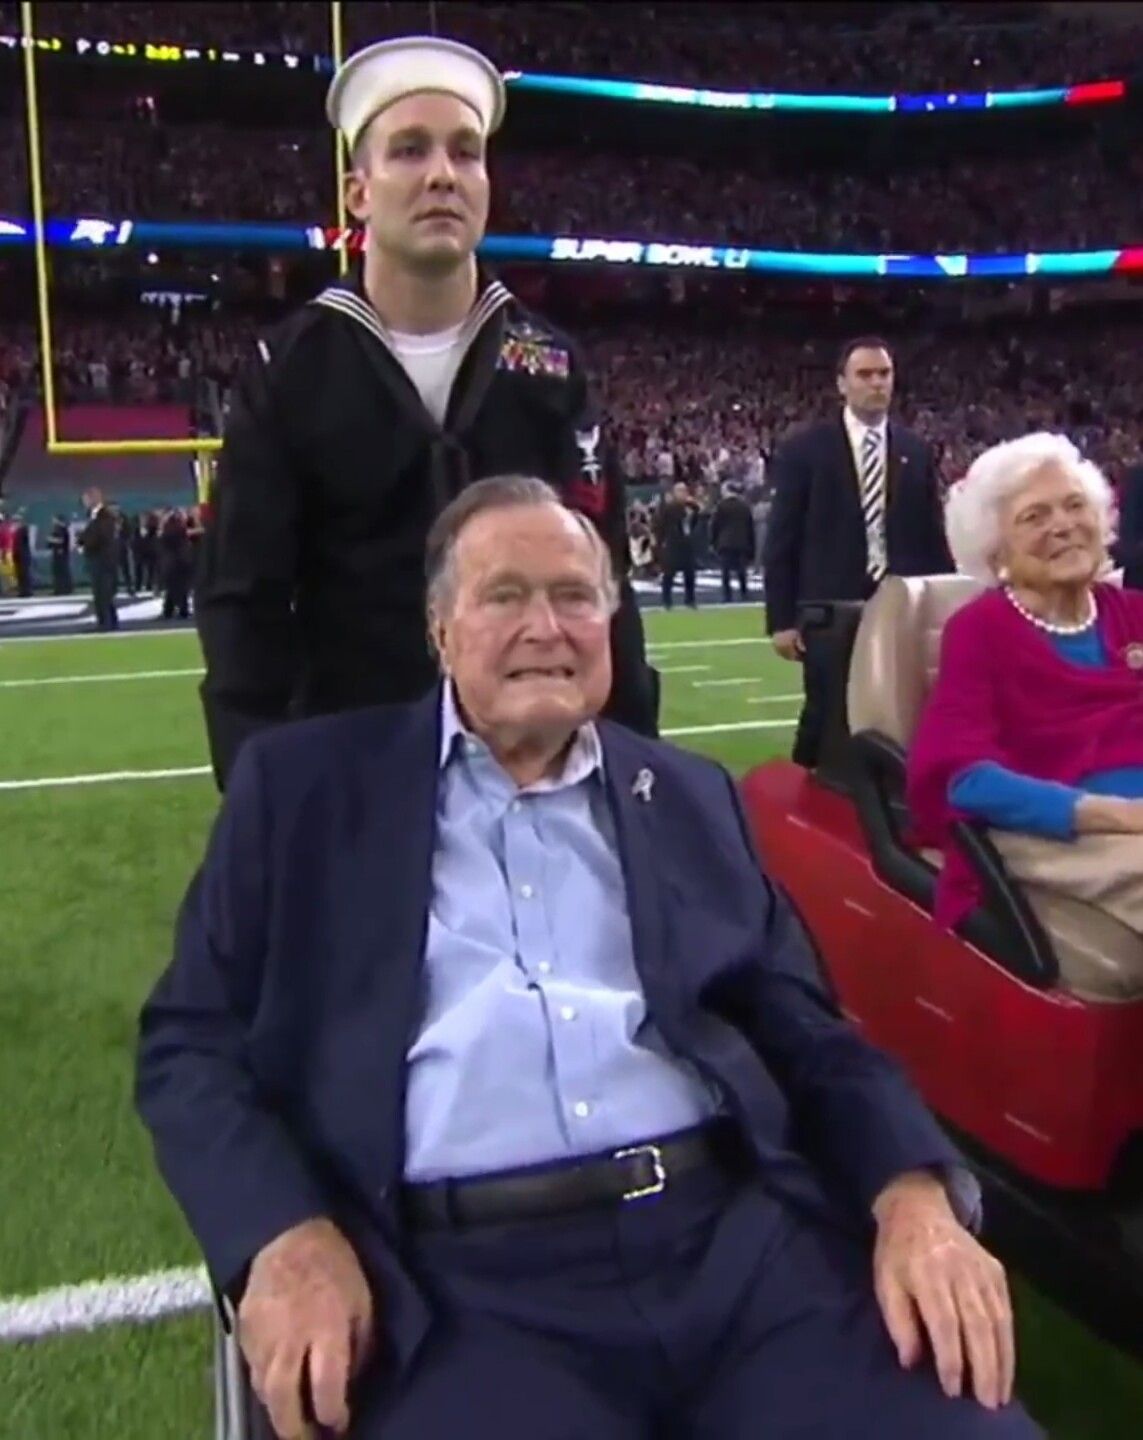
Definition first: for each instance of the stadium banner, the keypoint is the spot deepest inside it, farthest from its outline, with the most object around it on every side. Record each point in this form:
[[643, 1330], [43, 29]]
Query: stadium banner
[[92, 232], [637, 91]]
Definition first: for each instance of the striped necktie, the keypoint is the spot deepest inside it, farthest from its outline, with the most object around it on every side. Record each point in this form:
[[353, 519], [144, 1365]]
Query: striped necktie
[[873, 502]]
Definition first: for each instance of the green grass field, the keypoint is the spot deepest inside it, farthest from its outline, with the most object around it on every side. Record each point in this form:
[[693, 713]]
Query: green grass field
[[90, 877]]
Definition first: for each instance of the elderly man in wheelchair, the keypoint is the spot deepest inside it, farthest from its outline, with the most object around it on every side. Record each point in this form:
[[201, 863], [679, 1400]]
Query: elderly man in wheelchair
[[500, 1088]]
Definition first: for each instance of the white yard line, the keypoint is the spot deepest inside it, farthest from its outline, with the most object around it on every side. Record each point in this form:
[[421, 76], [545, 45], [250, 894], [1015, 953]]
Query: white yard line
[[51, 782], [774, 699], [114, 675], [724, 729], [654, 648], [92, 679], [114, 776], [83, 636], [743, 680], [132, 1299]]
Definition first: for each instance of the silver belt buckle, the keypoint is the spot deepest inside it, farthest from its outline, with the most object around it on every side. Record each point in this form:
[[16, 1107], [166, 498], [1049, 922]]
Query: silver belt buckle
[[659, 1170]]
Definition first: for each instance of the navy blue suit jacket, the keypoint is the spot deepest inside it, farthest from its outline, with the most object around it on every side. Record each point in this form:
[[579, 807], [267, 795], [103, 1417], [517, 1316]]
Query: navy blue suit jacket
[[1128, 548], [272, 1059], [815, 540]]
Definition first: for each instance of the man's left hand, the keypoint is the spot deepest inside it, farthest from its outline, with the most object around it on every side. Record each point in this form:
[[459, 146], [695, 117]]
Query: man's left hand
[[931, 1276]]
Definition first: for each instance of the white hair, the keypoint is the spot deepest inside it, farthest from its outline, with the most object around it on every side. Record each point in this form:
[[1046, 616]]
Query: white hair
[[972, 510]]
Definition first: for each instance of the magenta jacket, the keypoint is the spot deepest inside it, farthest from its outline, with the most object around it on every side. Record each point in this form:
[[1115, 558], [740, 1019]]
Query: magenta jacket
[[1004, 693]]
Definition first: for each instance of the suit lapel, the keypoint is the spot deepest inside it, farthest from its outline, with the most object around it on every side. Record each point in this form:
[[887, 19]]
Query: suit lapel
[[626, 772], [895, 462], [388, 857], [845, 455], [847, 465]]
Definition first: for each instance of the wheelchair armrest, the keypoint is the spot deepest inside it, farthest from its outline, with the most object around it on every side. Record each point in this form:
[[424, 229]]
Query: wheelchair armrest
[[1004, 926], [878, 778], [881, 757], [237, 1413]]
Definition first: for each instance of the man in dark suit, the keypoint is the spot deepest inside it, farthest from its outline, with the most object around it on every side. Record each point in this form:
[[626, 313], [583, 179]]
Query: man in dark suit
[[176, 566], [676, 532], [855, 499], [100, 545], [1128, 548], [732, 540], [22, 556], [59, 544], [499, 1087]]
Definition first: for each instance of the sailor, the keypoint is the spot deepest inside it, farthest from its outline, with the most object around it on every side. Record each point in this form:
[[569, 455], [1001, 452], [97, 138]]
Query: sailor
[[364, 413]]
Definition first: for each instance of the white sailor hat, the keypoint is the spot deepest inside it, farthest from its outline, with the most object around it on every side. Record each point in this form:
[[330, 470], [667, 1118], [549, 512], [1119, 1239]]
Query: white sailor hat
[[381, 74]]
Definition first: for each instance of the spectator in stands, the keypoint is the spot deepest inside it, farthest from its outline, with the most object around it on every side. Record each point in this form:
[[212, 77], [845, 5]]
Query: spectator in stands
[[1032, 726], [1128, 549], [915, 46], [1073, 196]]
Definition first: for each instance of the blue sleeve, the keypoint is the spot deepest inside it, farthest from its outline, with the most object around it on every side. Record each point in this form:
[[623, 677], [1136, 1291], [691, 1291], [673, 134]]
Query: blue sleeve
[[1010, 801]]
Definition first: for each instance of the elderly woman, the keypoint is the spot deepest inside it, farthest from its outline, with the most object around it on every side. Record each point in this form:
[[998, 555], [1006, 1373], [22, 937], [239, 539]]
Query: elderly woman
[[1035, 723]]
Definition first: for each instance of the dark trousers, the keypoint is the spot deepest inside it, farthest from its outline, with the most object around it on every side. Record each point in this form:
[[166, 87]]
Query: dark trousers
[[103, 586], [733, 564], [145, 570], [817, 676], [687, 570], [176, 592], [61, 575], [712, 1312]]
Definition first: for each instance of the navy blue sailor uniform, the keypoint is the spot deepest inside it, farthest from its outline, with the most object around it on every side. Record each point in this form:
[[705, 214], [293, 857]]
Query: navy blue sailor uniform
[[310, 592]]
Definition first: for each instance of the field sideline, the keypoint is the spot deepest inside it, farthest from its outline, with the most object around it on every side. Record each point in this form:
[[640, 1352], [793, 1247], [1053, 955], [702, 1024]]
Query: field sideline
[[105, 800]]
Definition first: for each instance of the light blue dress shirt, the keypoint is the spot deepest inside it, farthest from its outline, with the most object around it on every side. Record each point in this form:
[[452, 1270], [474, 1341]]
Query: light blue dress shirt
[[534, 1042]]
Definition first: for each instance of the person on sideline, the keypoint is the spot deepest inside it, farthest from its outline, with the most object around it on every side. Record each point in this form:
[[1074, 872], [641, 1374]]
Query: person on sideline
[[856, 498]]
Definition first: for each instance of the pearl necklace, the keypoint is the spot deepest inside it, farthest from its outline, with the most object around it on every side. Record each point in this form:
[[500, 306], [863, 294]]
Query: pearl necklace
[[1051, 627]]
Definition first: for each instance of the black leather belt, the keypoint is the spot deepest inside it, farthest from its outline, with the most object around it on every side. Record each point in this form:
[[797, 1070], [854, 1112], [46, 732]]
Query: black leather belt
[[615, 1178]]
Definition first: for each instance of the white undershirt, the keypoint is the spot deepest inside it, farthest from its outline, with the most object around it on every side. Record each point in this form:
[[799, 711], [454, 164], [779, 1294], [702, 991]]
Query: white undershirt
[[431, 363]]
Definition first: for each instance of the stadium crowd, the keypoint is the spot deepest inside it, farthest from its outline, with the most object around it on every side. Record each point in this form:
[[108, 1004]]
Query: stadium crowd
[[682, 401], [860, 47], [714, 403], [1074, 198]]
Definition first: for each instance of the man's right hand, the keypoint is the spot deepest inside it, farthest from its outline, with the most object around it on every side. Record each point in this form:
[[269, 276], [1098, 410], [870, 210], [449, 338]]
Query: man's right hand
[[788, 644], [307, 1304]]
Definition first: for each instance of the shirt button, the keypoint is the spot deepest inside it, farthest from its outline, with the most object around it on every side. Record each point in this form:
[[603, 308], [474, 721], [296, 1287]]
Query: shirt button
[[527, 891], [515, 807], [568, 1012], [582, 1109], [544, 967]]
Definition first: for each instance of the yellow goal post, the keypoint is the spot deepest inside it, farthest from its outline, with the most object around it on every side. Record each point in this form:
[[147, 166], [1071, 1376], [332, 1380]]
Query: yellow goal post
[[202, 447]]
